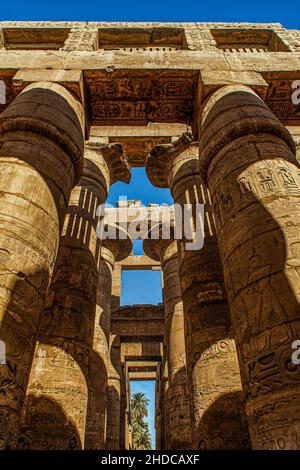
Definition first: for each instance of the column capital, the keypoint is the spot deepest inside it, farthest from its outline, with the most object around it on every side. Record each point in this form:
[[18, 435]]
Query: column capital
[[160, 249], [47, 109], [161, 157], [114, 157], [116, 249], [233, 112]]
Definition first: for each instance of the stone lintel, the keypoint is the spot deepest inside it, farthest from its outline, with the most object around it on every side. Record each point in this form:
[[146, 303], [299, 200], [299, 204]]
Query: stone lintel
[[269, 74], [151, 130], [141, 365], [138, 312], [139, 262], [148, 348], [143, 375], [117, 60], [138, 321], [138, 219]]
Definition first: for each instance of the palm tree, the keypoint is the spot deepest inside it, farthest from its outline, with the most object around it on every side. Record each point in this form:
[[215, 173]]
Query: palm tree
[[139, 406], [141, 437]]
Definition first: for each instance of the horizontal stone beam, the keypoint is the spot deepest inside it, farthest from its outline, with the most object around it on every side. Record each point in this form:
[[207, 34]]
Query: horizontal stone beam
[[142, 348], [134, 262], [135, 376], [138, 321]]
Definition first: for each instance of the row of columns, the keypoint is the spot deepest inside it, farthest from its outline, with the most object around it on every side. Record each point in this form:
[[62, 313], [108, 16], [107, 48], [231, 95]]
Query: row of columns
[[246, 175], [216, 400], [248, 159], [232, 307], [177, 413], [41, 157], [58, 368]]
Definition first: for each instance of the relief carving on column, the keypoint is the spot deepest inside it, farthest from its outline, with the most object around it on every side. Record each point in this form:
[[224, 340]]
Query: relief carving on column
[[254, 162]]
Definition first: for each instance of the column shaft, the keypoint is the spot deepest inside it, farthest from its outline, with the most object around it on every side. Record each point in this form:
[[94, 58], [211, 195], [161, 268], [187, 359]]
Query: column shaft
[[114, 395], [254, 183], [215, 390], [177, 419], [41, 156], [112, 251], [178, 430], [69, 371]]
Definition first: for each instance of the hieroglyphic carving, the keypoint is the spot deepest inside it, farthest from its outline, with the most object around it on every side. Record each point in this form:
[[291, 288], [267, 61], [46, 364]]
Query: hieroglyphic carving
[[258, 241], [279, 96], [7, 77], [81, 39], [140, 97], [32, 209]]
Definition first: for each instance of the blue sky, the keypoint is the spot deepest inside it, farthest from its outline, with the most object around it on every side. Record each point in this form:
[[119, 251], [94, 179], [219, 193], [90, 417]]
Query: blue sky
[[154, 10], [141, 287], [288, 14]]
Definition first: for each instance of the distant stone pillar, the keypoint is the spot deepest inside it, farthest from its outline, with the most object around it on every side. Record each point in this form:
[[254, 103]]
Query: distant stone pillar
[[158, 407], [69, 371], [216, 399], [178, 419], [128, 428], [164, 401], [116, 287], [41, 157], [112, 251], [253, 177], [125, 425]]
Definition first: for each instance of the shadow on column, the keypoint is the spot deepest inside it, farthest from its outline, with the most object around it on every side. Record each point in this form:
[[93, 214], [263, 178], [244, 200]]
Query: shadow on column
[[14, 374], [255, 191], [36, 436], [114, 426], [67, 329]]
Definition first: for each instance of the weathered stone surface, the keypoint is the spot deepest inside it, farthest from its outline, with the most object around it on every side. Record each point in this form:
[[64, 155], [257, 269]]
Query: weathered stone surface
[[253, 179], [210, 349], [138, 320], [143, 85], [70, 365], [111, 251], [178, 419], [41, 159]]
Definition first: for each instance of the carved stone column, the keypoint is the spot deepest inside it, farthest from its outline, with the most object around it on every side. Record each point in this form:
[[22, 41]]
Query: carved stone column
[[178, 420], [112, 251], [41, 157], [69, 371], [164, 400], [216, 400], [253, 177], [158, 407], [98, 396]]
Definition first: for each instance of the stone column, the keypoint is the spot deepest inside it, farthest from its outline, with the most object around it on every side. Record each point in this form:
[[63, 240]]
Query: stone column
[[216, 400], [68, 375], [164, 400], [158, 407], [116, 287], [112, 251], [98, 396], [178, 419], [125, 424], [41, 157], [253, 177], [128, 428]]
